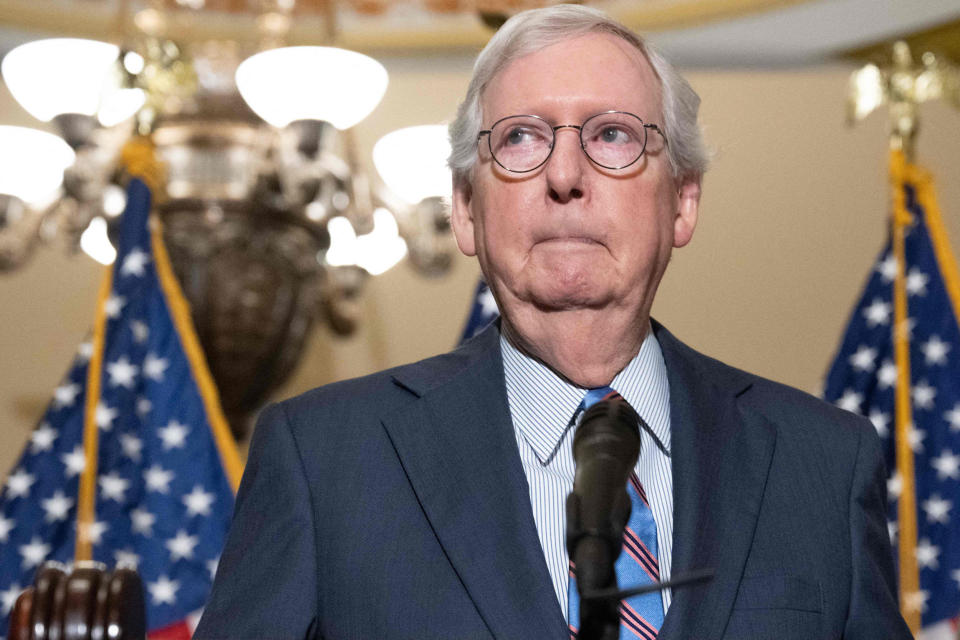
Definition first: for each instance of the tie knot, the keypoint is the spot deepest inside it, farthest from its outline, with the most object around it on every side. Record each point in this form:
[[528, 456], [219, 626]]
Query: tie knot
[[596, 395]]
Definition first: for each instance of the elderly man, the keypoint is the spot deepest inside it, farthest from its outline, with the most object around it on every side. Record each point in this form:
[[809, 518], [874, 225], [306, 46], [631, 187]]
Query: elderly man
[[428, 501]]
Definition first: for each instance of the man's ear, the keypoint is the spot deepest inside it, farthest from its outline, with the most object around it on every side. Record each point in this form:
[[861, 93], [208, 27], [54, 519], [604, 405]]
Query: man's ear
[[688, 208], [461, 217]]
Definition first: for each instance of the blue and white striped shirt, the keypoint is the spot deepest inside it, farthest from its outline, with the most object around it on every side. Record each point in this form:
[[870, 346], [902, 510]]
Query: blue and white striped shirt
[[541, 404]]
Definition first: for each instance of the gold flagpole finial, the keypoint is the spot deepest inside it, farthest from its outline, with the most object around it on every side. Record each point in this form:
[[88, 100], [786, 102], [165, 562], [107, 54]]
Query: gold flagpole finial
[[904, 85]]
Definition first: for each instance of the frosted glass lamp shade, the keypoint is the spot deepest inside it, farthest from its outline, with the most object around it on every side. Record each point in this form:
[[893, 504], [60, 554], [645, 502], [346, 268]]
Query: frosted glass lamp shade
[[32, 163], [311, 83], [64, 75], [413, 162]]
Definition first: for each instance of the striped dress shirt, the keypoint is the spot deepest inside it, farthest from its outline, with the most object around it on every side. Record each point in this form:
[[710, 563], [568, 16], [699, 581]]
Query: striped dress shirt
[[541, 405]]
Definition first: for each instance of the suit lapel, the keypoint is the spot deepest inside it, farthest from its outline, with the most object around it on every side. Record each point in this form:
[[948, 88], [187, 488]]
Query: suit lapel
[[457, 446], [720, 459]]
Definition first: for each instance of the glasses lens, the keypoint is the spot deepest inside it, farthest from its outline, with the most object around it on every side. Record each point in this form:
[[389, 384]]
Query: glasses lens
[[614, 140], [521, 143]]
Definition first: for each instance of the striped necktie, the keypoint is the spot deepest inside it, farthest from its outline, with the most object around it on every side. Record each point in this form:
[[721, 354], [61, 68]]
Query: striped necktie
[[640, 616]]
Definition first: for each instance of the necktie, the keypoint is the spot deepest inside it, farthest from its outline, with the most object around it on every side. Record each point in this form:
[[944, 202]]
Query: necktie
[[640, 616]]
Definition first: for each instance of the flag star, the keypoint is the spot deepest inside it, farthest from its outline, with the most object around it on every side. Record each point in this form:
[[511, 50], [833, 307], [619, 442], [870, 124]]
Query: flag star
[[158, 479], [955, 574], [927, 555], [895, 485], [65, 395], [174, 435], [142, 521], [917, 282], [34, 553], [887, 375], [938, 509], [140, 331], [850, 401], [947, 465], [122, 373], [92, 532], [85, 350], [75, 461], [57, 507], [134, 263], [131, 445], [892, 531], [113, 487], [880, 422], [181, 546], [19, 483], [953, 417], [488, 304], [126, 558], [143, 406], [888, 267], [114, 305], [935, 350], [916, 600], [105, 415], [923, 395], [6, 526], [863, 359], [43, 438], [9, 597], [198, 502], [915, 437], [154, 367], [877, 313], [163, 591]]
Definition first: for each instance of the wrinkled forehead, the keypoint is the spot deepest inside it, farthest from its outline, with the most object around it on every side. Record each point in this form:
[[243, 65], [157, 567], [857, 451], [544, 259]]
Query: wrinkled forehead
[[597, 67]]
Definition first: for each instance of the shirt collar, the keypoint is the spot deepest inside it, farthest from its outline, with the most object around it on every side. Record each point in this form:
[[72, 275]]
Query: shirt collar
[[542, 403]]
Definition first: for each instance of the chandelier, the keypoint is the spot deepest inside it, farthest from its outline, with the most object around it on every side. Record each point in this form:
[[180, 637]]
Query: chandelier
[[271, 223]]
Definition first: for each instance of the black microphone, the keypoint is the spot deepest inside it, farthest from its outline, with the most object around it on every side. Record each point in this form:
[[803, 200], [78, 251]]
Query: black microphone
[[606, 446]]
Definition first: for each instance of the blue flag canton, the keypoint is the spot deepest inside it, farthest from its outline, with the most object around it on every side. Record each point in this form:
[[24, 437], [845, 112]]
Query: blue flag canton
[[863, 380], [163, 500], [483, 311]]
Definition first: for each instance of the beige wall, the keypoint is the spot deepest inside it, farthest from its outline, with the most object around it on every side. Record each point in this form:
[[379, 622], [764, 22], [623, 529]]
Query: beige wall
[[792, 216]]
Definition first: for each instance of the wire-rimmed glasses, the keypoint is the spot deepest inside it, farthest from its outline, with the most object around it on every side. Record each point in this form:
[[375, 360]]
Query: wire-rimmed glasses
[[612, 140]]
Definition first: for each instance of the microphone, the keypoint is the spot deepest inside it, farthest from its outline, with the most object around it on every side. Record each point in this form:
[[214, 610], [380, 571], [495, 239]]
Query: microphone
[[606, 446]]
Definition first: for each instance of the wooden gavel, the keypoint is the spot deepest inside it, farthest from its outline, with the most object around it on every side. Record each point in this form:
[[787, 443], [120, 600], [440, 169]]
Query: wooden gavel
[[88, 602]]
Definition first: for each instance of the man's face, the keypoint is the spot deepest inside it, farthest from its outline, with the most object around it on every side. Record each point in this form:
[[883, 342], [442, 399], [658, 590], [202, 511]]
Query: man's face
[[571, 234]]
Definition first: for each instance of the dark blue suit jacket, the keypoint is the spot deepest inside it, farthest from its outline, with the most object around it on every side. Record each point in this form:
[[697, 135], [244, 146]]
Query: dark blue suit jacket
[[395, 506]]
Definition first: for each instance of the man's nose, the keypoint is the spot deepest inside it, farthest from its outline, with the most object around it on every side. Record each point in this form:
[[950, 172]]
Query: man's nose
[[564, 169]]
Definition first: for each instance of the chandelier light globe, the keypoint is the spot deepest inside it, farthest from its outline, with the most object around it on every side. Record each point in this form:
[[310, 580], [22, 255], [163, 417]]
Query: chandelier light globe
[[64, 75], [32, 163], [413, 162], [311, 83]]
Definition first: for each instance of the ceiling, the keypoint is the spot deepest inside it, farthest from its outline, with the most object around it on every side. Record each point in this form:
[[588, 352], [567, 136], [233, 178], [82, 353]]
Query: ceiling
[[693, 33]]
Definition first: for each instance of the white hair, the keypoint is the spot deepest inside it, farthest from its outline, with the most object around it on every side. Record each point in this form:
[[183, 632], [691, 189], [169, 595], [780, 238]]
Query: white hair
[[536, 29]]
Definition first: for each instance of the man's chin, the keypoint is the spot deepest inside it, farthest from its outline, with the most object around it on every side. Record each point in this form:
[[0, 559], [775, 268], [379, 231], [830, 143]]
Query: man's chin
[[559, 298]]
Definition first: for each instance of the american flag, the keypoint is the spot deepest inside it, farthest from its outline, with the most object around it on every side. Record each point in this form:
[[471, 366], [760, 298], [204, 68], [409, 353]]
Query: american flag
[[864, 379], [483, 311], [163, 497]]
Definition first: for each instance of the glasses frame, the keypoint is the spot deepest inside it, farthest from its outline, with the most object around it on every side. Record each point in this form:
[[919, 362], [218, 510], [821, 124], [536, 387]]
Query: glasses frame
[[579, 128]]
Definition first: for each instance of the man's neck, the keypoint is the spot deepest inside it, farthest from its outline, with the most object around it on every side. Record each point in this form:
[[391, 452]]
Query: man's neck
[[585, 346]]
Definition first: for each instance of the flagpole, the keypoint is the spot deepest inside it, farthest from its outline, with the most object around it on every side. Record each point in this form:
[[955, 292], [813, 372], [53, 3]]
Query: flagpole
[[906, 502], [86, 491]]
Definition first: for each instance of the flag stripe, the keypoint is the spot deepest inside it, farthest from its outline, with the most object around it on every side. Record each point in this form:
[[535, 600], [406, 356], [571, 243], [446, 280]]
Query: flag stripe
[[180, 314]]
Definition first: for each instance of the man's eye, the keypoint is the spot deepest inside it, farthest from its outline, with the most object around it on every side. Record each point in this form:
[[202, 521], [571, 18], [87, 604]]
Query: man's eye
[[614, 135], [518, 135]]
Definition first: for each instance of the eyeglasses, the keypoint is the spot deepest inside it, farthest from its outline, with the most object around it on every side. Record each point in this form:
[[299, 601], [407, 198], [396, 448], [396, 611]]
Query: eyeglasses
[[612, 140]]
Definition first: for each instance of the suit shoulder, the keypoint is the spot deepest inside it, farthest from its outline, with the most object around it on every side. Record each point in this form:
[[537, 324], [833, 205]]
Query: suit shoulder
[[785, 406], [386, 391]]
